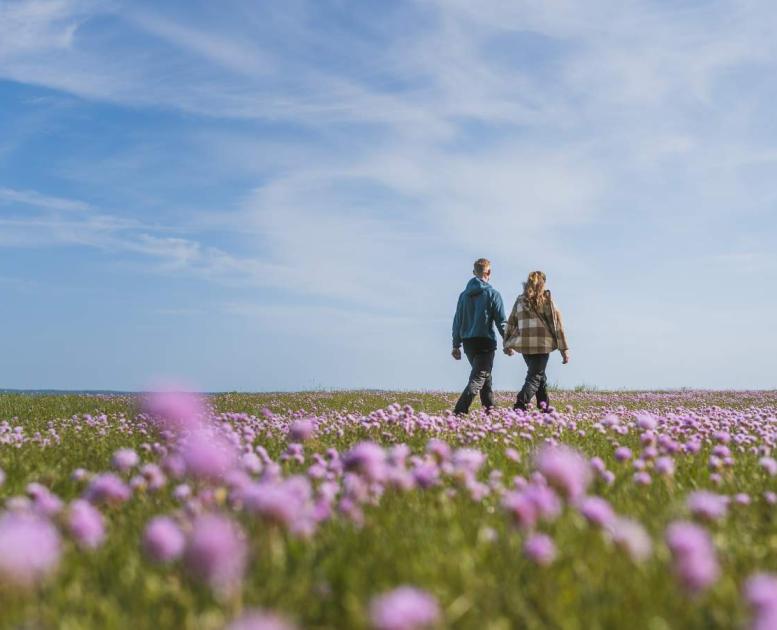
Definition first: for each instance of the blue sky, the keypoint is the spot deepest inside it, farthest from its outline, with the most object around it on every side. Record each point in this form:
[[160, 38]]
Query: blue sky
[[272, 195]]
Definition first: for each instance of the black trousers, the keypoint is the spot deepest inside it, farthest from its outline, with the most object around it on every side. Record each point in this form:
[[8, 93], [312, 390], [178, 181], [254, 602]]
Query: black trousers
[[536, 383], [480, 354]]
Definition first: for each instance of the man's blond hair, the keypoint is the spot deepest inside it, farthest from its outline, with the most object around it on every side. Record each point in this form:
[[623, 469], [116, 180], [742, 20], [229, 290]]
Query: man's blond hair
[[481, 266]]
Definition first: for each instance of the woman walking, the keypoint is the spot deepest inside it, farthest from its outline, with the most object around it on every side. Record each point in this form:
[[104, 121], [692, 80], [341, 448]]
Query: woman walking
[[534, 329]]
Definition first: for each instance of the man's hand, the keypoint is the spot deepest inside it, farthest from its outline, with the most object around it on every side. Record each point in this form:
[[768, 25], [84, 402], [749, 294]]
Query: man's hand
[[565, 357], [456, 354], [509, 352]]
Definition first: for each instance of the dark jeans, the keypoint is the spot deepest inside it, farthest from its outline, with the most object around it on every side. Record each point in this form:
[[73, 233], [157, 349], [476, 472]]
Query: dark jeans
[[536, 383], [480, 355]]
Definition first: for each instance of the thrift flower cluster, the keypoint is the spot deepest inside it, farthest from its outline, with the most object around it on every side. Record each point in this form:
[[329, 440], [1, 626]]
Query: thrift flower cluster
[[221, 491]]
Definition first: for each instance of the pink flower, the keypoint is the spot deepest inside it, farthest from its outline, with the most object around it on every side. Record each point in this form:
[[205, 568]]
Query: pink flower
[[665, 466], [29, 549], [540, 549], [368, 460], [163, 540], [642, 478], [44, 501], [565, 469], [405, 608], [216, 552], [468, 460], [597, 511], [125, 459], [631, 537], [622, 453], [107, 488], [174, 410], [761, 591], [207, 456], [285, 503], [707, 505], [301, 430], [695, 562], [86, 524], [769, 464], [521, 508], [260, 620]]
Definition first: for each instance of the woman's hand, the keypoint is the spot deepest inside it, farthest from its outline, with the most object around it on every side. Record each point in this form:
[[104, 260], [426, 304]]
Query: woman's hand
[[509, 352], [565, 356]]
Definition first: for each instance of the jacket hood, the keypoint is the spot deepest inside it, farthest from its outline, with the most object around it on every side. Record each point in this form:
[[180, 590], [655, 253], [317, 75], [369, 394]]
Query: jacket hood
[[476, 286]]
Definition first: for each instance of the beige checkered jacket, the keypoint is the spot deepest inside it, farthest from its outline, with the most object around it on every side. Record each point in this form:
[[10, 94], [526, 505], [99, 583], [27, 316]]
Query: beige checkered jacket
[[529, 332]]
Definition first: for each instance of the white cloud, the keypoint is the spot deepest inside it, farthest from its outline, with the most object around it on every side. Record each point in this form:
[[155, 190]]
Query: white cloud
[[35, 199]]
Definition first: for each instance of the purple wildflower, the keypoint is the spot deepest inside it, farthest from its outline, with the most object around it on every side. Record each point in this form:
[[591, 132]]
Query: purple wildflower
[[761, 590], [107, 488], [642, 478], [540, 549], [565, 469], [468, 460], [695, 563], [29, 549], [707, 505], [260, 620], [631, 537], [665, 466], [174, 410], [86, 524], [125, 459], [216, 552], [597, 511], [367, 459], [622, 453], [207, 456], [301, 430], [404, 608], [769, 464], [44, 501], [163, 540], [283, 503]]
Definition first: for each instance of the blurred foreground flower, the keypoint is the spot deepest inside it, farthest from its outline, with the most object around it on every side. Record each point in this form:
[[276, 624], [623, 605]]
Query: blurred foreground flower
[[163, 540], [565, 469], [695, 562], [216, 552], [86, 524], [29, 548], [404, 608], [260, 620]]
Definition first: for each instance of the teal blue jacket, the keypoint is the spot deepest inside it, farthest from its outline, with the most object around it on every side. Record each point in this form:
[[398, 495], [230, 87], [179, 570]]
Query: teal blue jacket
[[480, 307]]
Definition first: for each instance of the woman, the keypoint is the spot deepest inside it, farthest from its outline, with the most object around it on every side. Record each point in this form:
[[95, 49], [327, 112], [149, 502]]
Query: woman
[[535, 330]]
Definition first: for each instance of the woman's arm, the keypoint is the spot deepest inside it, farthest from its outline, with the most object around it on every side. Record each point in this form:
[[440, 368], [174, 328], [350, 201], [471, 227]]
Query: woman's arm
[[512, 321], [561, 338]]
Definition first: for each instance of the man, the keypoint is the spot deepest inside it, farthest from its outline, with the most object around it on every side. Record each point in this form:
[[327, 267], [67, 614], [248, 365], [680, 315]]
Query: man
[[479, 308]]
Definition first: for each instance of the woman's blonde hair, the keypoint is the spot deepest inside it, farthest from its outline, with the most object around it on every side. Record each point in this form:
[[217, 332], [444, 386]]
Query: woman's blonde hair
[[534, 290]]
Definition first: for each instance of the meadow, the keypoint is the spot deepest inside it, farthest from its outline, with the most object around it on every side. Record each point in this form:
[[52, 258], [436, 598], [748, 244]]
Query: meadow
[[372, 509]]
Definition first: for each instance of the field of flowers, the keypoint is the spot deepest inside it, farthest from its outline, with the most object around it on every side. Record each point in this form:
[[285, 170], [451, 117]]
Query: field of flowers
[[382, 510]]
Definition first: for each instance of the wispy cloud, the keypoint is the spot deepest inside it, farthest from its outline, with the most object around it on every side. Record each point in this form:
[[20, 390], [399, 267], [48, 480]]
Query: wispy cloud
[[37, 200]]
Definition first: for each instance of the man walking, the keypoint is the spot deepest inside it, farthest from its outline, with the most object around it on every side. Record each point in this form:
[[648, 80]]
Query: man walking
[[479, 308]]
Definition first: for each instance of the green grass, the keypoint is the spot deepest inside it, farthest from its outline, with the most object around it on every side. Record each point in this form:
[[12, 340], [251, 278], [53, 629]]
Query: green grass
[[427, 539]]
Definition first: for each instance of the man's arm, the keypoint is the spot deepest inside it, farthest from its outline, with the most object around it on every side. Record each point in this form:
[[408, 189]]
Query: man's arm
[[457, 325], [499, 314]]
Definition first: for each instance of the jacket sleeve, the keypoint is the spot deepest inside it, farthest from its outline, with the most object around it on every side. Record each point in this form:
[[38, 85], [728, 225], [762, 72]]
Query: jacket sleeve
[[499, 314], [512, 322], [561, 338], [457, 325]]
